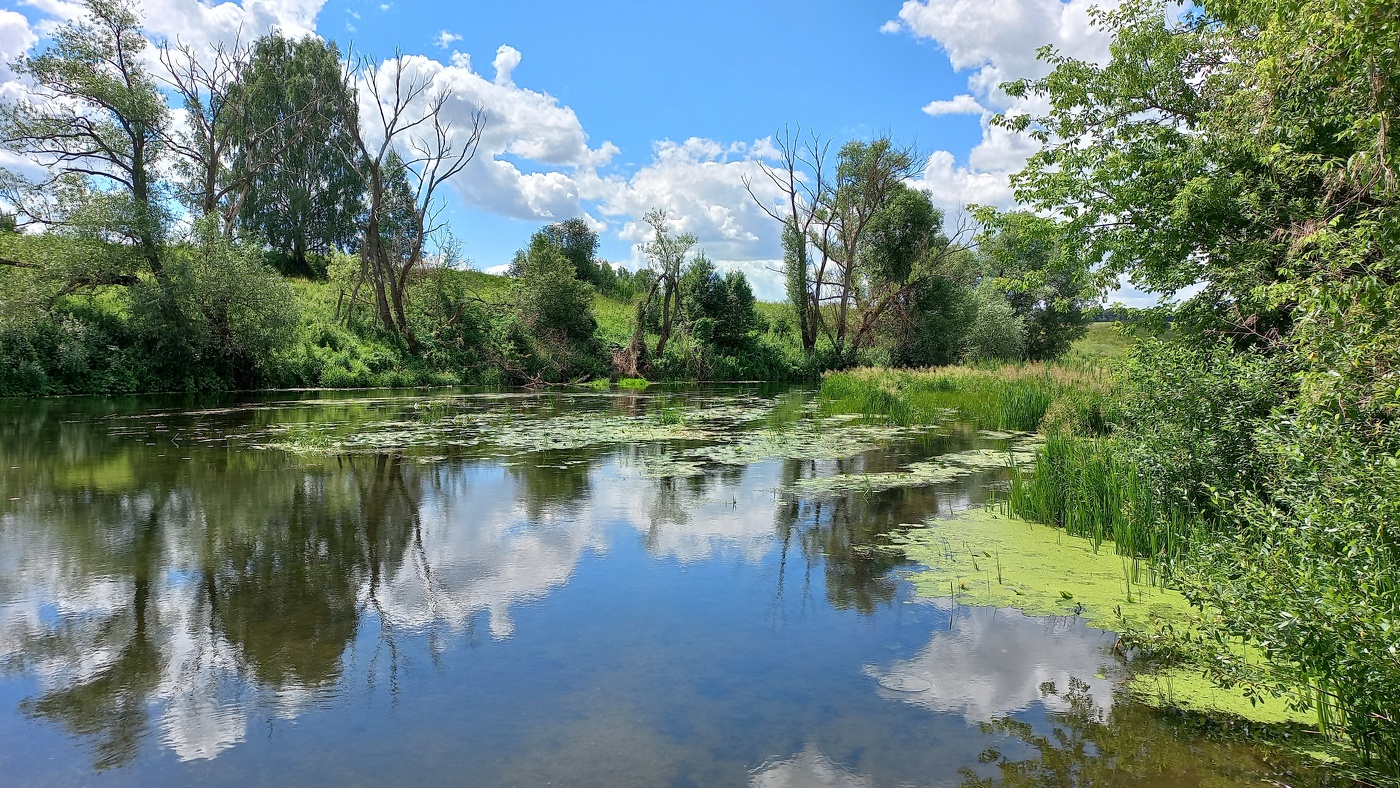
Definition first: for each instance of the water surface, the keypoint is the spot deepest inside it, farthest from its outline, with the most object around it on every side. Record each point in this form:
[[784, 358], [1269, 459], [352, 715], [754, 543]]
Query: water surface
[[528, 588]]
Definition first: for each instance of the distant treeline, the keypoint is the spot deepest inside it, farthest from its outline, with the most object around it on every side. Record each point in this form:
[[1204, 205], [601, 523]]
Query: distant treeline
[[149, 256]]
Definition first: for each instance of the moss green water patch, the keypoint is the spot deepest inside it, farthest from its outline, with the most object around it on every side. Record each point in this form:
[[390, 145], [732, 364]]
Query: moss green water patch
[[633, 383], [1185, 687], [984, 558]]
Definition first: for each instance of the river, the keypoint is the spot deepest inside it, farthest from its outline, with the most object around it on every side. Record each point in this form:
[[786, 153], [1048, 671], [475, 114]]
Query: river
[[660, 587]]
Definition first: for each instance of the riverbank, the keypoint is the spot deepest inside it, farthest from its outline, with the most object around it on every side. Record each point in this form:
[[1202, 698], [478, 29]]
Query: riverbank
[[1110, 477]]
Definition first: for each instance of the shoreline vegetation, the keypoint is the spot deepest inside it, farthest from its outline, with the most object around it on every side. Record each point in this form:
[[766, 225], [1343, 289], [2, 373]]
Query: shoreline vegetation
[[1096, 479], [1244, 450]]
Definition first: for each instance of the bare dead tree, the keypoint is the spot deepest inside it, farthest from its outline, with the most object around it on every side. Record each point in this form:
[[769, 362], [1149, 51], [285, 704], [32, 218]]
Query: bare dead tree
[[409, 131], [205, 87], [800, 176]]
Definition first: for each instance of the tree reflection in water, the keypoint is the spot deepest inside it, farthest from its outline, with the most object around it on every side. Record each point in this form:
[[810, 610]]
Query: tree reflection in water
[[149, 595], [188, 580], [1130, 744]]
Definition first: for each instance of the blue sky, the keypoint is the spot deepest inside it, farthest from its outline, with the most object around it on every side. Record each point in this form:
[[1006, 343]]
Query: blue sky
[[608, 109]]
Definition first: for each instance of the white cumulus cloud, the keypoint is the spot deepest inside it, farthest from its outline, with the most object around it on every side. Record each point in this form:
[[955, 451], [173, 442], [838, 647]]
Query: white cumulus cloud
[[963, 104], [995, 41]]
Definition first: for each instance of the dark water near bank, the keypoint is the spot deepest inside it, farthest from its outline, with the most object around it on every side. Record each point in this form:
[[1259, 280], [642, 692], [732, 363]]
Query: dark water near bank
[[511, 589]]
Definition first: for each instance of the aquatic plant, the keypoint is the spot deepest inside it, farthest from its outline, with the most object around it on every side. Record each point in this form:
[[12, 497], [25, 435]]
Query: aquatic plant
[[1012, 397], [1089, 488]]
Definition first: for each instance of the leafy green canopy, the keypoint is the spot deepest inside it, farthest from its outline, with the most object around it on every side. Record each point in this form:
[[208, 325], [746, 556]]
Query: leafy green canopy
[[719, 310], [94, 113], [552, 300], [304, 196], [1248, 146]]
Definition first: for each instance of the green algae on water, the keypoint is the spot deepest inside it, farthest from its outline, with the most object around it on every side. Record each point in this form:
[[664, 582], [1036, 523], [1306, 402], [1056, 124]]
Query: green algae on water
[[985, 558], [995, 560], [1187, 688], [939, 470]]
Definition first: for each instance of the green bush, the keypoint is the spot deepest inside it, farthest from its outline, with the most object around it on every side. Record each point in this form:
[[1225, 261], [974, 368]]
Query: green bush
[[996, 332]]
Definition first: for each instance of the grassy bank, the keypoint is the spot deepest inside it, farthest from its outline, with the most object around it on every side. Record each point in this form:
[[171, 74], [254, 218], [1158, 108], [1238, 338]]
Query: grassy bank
[[1021, 397], [119, 340], [1188, 460]]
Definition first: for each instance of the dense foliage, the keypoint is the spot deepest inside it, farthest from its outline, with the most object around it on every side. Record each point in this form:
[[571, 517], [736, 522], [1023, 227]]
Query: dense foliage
[[1246, 147]]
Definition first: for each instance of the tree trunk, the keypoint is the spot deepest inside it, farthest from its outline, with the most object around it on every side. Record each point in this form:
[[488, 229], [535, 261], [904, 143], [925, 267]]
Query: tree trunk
[[145, 216], [400, 285], [665, 318]]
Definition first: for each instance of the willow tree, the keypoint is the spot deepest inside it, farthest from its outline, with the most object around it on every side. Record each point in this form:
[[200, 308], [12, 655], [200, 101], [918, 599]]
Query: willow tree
[[95, 120], [291, 182]]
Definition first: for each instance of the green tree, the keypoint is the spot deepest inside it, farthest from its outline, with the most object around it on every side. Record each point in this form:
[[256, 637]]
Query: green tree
[[552, 299], [856, 240], [899, 235], [296, 116], [1246, 148], [1051, 294], [95, 113], [797, 266], [579, 244], [718, 309], [996, 332], [867, 176]]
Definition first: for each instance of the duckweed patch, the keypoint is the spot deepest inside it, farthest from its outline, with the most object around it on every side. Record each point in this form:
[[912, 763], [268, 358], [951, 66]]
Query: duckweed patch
[[986, 558], [1185, 687]]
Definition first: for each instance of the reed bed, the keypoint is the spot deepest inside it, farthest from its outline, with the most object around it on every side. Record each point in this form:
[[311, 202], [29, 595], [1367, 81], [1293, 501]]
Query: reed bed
[[1013, 397], [1090, 488]]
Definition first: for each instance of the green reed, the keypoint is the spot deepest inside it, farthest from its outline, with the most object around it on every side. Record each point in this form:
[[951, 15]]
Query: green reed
[[1010, 398], [1090, 489]]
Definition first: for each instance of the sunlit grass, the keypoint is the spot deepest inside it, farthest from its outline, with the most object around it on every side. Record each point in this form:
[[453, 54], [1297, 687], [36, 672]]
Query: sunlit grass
[[1012, 397]]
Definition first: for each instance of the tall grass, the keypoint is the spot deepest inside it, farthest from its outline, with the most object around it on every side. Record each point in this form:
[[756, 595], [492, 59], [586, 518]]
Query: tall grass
[[1014, 397], [1088, 487]]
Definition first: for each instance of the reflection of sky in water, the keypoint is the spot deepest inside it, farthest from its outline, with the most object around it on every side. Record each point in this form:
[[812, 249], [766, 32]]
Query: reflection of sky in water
[[808, 768], [991, 663], [254, 617]]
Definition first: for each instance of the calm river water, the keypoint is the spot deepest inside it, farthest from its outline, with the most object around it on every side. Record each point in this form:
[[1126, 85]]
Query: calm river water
[[607, 588]]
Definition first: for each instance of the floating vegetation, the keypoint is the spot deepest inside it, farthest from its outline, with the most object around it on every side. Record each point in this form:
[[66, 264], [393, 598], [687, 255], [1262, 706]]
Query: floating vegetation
[[801, 440], [984, 558], [992, 559], [433, 426], [1185, 687], [633, 383], [939, 470]]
